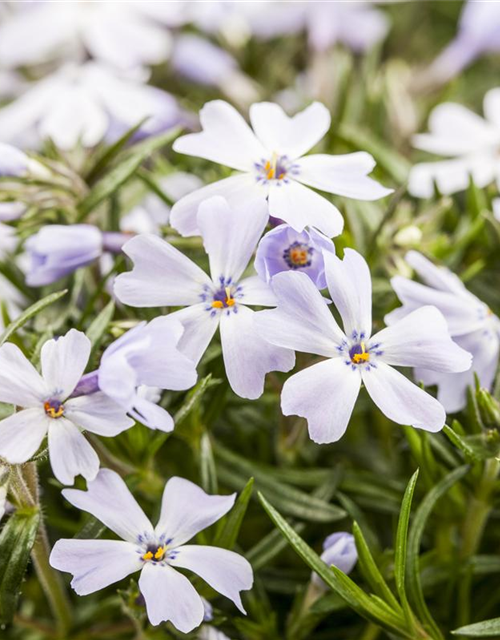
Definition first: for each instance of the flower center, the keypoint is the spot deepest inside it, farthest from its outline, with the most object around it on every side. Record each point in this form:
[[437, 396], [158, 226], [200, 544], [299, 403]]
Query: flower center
[[276, 167], [223, 298], [298, 255], [359, 354], [54, 408], [155, 552]]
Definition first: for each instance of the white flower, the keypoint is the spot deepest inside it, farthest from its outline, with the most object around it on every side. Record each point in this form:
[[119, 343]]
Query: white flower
[[471, 143], [47, 408], [155, 552], [325, 393], [153, 213], [84, 104], [124, 34], [271, 167], [471, 324], [478, 33], [163, 276]]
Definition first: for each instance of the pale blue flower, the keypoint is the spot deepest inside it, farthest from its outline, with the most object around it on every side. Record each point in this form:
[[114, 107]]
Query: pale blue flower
[[339, 549], [471, 324], [157, 552], [284, 249], [325, 393], [163, 276]]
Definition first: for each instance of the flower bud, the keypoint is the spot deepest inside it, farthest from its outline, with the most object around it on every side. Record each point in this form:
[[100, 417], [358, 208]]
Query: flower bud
[[339, 549], [489, 409]]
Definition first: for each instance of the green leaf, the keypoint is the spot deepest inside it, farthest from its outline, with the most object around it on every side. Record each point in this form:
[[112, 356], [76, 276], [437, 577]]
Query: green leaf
[[208, 473], [484, 629], [355, 597], [16, 541], [30, 313], [98, 326], [110, 152], [123, 171], [290, 500], [228, 534], [414, 538], [400, 551], [371, 571], [461, 443]]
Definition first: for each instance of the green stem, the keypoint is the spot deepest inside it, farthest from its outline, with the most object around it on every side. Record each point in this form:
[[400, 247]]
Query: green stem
[[478, 512], [25, 488]]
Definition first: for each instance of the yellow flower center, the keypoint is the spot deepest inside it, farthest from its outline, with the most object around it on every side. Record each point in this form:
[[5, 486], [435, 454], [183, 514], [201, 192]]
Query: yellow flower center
[[157, 555], [227, 301], [359, 354], [53, 408]]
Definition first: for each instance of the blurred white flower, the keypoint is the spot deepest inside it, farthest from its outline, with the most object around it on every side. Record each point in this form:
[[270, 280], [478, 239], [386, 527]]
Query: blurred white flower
[[470, 142], [357, 25], [124, 34], [84, 104], [478, 33], [153, 213]]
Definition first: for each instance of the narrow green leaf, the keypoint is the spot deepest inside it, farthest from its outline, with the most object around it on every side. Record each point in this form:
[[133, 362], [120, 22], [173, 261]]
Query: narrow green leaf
[[122, 172], [290, 500], [98, 326], [484, 629], [208, 472], [16, 541], [461, 443], [355, 597], [228, 534], [30, 313], [371, 571], [400, 551], [109, 153], [414, 538]]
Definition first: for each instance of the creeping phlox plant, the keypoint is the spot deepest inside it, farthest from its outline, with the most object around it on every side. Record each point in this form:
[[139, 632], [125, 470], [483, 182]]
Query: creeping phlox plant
[[249, 331]]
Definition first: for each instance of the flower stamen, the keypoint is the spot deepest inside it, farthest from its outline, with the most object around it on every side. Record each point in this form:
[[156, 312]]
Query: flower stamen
[[157, 555], [359, 353], [53, 408]]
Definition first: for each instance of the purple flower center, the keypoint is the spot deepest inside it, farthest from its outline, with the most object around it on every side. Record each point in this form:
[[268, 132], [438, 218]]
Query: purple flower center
[[223, 298], [277, 168], [298, 255], [54, 408], [359, 354]]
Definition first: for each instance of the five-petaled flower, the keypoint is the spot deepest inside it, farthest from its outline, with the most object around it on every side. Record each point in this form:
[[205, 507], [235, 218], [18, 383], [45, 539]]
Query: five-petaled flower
[[471, 324], [325, 393], [162, 275], [135, 366], [271, 166], [48, 409], [155, 551]]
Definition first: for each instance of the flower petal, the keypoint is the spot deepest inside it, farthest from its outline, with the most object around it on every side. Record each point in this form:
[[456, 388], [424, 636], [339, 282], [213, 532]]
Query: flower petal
[[438, 277], [186, 510], [401, 400], [95, 564], [456, 130], [452, 176], [152, 415], [289, 136], [199, 328], [256, 292], [70, 453], [21, 435], [247, 356], [463, 314], [344, 175], [350, 286], [230, 234], [301, 207], [162, 275], [225, 571], [324, 394], [110, 501], [98, 414], [20, 382], [63, 362], [421, 339], [170, 597], [237, 190], [302, 321], [226, 138]]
